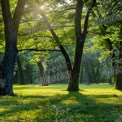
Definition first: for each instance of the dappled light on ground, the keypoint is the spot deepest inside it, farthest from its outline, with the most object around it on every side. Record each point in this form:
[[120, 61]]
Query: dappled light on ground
[[34, 103]]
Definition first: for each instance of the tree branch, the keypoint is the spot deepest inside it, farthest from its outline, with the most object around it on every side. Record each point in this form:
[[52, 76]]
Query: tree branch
[[78, 17], [62, 49], [7, 18], [6, 11], [87, 17], [34, 49], [18, 13]]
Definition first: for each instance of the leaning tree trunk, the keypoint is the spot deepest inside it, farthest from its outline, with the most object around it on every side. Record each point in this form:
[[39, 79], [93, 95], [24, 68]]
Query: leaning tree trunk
[[62, 49], [11, 26]]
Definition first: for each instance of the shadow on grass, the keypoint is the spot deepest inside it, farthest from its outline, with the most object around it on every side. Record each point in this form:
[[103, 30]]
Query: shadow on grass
[[84, 109], [73, 107], [120, 90]]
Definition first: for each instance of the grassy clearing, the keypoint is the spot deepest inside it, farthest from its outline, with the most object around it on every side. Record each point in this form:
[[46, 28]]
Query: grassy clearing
[[34, 103]]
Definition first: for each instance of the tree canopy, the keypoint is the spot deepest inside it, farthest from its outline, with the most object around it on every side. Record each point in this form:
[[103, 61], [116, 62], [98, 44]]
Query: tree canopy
[[84, 34]]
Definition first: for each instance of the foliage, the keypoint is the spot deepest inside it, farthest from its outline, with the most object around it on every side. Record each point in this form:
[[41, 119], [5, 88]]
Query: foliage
[[34, 34]]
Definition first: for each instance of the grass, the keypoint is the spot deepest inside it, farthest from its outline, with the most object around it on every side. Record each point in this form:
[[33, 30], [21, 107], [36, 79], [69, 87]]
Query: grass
[[34, 103]]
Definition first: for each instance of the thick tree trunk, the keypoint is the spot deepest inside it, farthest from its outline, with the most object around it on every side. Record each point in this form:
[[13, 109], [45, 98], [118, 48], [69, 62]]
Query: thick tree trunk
[[10, 55], [119, 74], [8, 64], [80, 39], [10, 29], [119, 70], [2, 81], [119, 80], [74, 81]]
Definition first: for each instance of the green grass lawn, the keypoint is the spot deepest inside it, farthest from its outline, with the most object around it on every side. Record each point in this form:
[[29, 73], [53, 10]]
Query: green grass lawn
[[34, 103]]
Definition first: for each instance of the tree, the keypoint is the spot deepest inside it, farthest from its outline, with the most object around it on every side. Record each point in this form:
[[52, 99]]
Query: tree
[[119, 69], [61, 47], [43, 77], [80, 33], [11, 25], [80, 39], [109, 21]]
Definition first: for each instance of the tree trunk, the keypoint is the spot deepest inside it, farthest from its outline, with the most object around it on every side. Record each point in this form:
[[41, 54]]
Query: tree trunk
[[119, 81], [80, 39], [10, 48], [119, 74], [21, 73], [2, 81], [8, 64], [74, 81], [64, 52], [119, 69], [10, 29], [44, 78]]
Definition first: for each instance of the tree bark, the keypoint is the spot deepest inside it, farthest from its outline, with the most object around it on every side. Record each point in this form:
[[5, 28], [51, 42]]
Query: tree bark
[[74, 82], [80, 39], [10, 29], [119, 69], [62, 49], [41, 69], [119, 78]]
